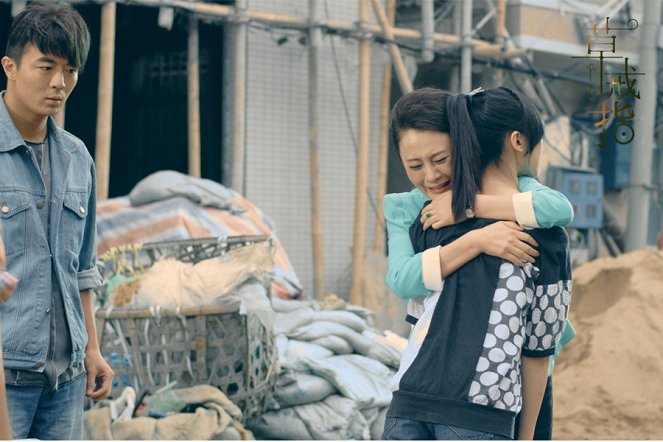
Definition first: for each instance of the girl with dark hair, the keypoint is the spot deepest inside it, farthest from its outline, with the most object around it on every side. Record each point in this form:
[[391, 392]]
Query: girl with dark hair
[[420, 129]]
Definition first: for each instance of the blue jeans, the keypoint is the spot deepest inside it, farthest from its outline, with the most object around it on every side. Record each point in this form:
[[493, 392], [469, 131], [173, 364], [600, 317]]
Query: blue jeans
[[396, 428], [42, 413]]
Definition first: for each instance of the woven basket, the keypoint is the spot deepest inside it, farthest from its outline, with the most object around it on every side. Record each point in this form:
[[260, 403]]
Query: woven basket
[[214, 345]]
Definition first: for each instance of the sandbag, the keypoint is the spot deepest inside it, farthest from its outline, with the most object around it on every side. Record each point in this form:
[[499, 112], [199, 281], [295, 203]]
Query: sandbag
[[321, 329], [287, 322], [283, 424], [345, 408], [375, 418], [335, 418], [357, 377], [301, 388], [334, 343], [293, 354], [385, 349], [166, 184], [346, 318], [287, 306], [360, 344], [377, 426]]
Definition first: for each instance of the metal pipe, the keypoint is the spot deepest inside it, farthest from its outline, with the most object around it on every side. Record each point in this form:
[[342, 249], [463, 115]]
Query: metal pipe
[[639, 192], [427, 30], [466, 51]]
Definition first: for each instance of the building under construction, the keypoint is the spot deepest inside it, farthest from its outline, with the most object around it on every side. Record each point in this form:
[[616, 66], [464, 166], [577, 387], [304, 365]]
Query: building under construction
[[286, 102]]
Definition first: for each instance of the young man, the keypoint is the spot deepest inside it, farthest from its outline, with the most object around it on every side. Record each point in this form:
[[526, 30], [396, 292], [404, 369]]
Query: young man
[[47, 206]]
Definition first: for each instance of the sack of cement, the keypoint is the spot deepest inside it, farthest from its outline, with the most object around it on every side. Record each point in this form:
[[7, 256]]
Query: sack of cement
[[293, 354], [357, 377], [335, 418], [301, 388]]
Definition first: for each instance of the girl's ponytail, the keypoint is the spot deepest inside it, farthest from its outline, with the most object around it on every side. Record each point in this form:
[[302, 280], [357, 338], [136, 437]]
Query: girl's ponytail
[[467, 165]]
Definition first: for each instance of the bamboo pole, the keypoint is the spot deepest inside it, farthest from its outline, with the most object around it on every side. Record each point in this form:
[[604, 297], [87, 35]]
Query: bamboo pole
[[361, 184], [383, 143], [239, 102], [105, 94], [315, 35], [394, 51], [193, 98], [481, 48], [500, 37], [500, 21]]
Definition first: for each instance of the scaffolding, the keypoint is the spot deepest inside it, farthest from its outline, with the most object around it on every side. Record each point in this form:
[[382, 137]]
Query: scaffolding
[[463, 46]]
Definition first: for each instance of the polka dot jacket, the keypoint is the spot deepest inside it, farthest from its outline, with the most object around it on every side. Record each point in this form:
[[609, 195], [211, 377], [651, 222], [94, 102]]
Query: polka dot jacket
[[462, 366]]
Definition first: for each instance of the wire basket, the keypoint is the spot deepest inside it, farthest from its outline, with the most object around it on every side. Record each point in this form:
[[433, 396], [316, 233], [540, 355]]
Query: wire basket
[[215, 345]]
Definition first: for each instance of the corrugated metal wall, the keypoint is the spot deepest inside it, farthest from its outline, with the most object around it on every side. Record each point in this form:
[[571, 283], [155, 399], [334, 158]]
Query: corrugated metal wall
[[277, 151]]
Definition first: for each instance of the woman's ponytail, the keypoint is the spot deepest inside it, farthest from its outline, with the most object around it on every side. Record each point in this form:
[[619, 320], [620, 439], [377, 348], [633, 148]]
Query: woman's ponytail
[[466, 155]]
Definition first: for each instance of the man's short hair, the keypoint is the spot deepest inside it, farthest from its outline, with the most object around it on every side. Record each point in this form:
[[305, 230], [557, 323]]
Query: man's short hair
[[55, 28]]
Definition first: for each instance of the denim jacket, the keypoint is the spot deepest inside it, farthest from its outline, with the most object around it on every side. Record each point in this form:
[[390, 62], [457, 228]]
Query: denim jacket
[[25, 319]]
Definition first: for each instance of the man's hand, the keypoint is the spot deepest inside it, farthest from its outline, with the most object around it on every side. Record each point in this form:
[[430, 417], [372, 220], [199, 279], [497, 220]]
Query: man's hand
[[7, 281], [438, 213], [99, 375], [3, 259], [7, 286]]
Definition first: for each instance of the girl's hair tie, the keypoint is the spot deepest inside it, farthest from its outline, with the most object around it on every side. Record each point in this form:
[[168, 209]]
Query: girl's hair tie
[[472, 93]]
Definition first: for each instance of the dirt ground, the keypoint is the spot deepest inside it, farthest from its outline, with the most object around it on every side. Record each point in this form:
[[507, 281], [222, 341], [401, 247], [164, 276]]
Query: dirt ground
[[608, 382]]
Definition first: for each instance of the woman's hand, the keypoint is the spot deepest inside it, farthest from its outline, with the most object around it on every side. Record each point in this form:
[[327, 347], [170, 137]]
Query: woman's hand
[[506, 240], [438, 213]]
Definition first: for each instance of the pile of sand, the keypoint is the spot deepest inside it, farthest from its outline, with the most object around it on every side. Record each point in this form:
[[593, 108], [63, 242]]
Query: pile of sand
[[609, 380]]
